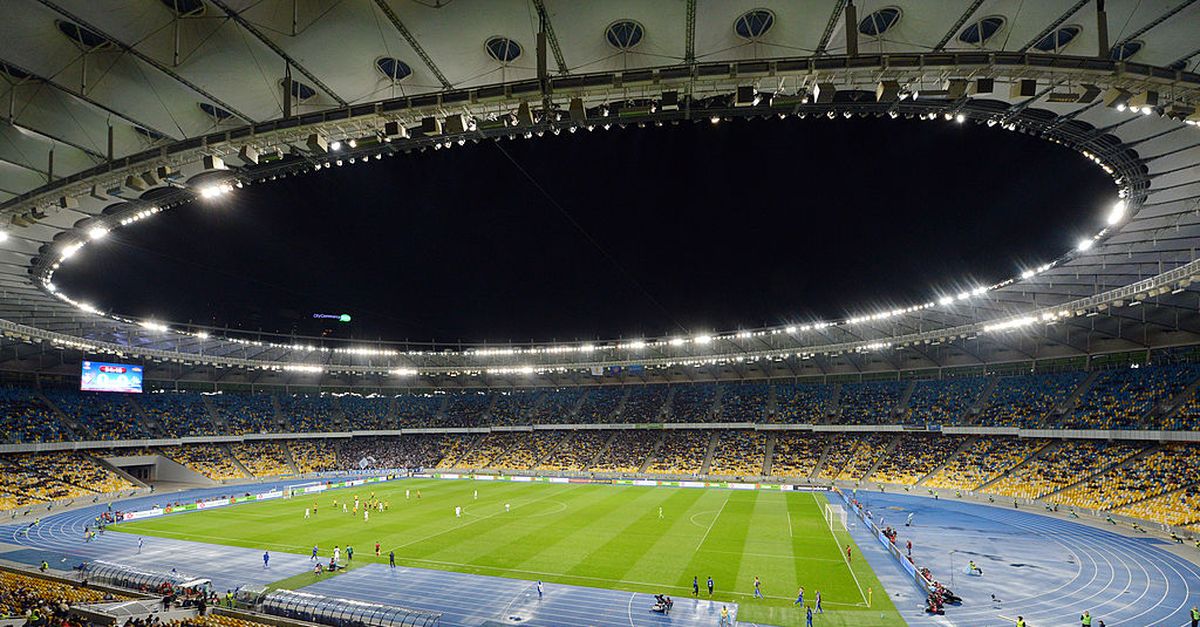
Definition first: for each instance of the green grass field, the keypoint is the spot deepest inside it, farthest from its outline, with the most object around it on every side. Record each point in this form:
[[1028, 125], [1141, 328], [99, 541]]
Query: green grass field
[[586, 535]]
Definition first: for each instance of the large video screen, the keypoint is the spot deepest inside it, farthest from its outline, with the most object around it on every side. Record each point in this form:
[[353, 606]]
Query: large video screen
[[99, 376]]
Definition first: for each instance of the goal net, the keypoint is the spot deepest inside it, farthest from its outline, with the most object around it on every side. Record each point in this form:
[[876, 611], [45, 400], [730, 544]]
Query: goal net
[[835, 517]]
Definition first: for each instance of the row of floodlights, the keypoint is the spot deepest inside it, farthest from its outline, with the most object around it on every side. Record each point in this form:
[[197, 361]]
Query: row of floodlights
[[745, 96]]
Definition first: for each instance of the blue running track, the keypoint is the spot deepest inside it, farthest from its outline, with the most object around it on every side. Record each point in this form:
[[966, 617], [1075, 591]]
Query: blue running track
[[476, 600], [1047, 569]]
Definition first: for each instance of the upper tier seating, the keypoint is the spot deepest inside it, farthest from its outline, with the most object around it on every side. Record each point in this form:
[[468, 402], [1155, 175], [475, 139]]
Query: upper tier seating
[[466, 409], [1124, 398], [869, 403], [600, 404], [944, 402], [106, 416], [515, 407], [802, 403], [305, 412], [744, 402], [180, 414], [1026, 401], [27, 418], [367, 413], [556, 406], [418, 410], [692, 403], [246, 413], [644, 403]]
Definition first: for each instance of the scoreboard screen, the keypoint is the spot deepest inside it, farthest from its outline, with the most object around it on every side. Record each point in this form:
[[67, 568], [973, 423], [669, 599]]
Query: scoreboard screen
[[99, 376]]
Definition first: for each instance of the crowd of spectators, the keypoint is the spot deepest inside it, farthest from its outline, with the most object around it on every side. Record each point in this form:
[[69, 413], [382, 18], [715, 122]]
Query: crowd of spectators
[[466, 409], [366, 413], [262, 459], [44, 602], [557, 406], [27, 418], [406, 451], [1061, 465], [455, 447], [869, 403], [307, 412], [644, 403], [526, 450], [682, 453], [983, 461], [313, 455], [627, 452], [1125, 398], [105, 416], [744, 402], [27, 478], [577, 451], [490, 448], [599, 404], [514, 407], [943, 401], [692, 403], [1177, 507], [868, 449], [1162, 470], [210, 460], [914, 457], [418, 410], [797, 453], [840, 450], [740, 453], [802, 403], [245, 413], [178, 414], [1026, 401]]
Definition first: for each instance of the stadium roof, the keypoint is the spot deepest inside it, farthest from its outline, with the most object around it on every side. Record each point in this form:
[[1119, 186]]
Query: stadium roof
[[195, 94]]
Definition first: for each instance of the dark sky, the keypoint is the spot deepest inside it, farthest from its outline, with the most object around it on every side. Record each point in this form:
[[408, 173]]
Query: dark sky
[[651, 231]]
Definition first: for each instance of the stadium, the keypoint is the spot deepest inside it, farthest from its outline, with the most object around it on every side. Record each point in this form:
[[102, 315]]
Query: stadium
[[969, 399]]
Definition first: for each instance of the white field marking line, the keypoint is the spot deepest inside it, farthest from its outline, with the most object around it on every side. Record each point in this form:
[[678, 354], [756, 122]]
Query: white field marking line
[[693, 517], [563, 576], [710, 525], [838, 544], [467, 524], [629, 609], [788, 513]]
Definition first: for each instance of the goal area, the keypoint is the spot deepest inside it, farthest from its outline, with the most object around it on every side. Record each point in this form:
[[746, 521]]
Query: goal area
[[835, 517]]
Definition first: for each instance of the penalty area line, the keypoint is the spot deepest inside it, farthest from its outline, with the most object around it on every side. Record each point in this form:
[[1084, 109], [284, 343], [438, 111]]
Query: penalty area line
[[837, 544]]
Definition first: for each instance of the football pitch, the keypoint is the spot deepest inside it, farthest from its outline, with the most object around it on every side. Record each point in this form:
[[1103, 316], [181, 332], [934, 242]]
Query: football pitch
[[578, 534]]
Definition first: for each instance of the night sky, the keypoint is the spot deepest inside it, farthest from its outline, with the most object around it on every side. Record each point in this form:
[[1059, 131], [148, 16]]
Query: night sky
[[635, 232]]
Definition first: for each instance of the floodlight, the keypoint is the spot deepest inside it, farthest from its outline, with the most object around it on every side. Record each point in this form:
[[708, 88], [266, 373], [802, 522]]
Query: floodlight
[[335, 145], [1085, 244], [97, 232], [3, 236], [1117, 98], [1117, 213]]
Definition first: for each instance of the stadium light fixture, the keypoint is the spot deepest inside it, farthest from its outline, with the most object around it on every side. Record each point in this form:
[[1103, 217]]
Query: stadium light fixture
[[677, 341], [153, 326], [335, 145], [703, 339], [1085, 244], [1117, 213], [960, 118], [97, 232], [3, 236]]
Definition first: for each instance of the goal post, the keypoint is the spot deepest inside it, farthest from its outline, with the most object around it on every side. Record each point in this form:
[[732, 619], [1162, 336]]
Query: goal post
[[835, 517]]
